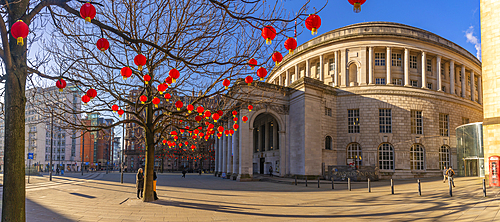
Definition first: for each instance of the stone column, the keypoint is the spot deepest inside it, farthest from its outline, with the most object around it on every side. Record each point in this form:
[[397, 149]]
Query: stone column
[[472, 86], [216, 149], [452, 77], [479, 90], [224, 154], [283, 153], [388, 65], [236, 151], [407, 67], [297, 74], [370, 65], [438, 64], [464, 88], [343, 72], [321, 68], [280, 80], [259, 138], [221, 156], [335, 70], [246, 150], [288, 78], [266, 137], [424, 70], [229, 143], [308, 69], [275, 135]]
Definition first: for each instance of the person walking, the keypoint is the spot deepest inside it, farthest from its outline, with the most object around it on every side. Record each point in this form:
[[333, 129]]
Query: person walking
[[184, 172], [271, 171], [450, 173], [444, 174], [154, 186], [139, 183], [199, 172]]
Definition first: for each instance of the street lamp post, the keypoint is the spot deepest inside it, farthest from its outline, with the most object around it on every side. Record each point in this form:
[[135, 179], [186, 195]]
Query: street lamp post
[[51, 142], [123, 148], [83, 151]]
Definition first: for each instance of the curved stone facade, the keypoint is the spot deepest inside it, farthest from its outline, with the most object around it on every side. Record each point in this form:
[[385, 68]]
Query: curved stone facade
[[371, 94]]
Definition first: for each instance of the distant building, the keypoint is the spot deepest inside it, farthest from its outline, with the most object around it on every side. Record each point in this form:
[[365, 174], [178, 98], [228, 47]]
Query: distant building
[[116, 152], [97, 144]]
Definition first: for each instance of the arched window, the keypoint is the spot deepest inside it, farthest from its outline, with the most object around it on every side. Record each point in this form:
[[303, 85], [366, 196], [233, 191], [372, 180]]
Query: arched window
[[328, 143], [444, 157], [354, 154], [417, 157], [386, 156]]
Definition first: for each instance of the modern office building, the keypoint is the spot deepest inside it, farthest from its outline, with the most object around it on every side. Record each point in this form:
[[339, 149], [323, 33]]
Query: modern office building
[[97, 145]]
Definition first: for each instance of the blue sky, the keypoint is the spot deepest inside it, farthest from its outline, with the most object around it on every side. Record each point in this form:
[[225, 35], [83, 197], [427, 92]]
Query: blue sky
[[451, 19]]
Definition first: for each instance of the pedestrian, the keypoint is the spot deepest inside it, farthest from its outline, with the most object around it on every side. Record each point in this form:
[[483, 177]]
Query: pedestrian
[[450, 173], [199, 172], [57, 171], [184, 172], [444, 174], [154, 186], [139, 182], [271, 171]]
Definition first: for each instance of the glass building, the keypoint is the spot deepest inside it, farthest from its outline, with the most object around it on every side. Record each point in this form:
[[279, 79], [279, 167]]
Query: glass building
[[470, 152]]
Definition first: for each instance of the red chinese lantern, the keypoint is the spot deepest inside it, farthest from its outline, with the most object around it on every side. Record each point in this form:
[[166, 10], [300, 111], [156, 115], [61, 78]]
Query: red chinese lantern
[[167, 96], [234, 113], [173, 133], [313, 22], [182, 131], [226, 83], [235, 119], [102, 44], [277, 58], [85, 99], [250, 107], [174, 74], [268, 33], [115, 108], [252, 63], [261, 73], [140, 60], [164, 141], [231, 132], [249, 80], [146, 78], [219, 135], [197, 118], [357, 4], [200, 110], [179, 105], [61, 84], [220, 112], [120, 112], [226, 132], [220, 129], [87, 11], [236, 126], [245, 119], [156, 101], [126, 72], [290, 45], [207, 114], [92, 93], [190, 108], [175, 139], [162, 87], [143, 99], [215, 117], [196, 131], [19, 31]]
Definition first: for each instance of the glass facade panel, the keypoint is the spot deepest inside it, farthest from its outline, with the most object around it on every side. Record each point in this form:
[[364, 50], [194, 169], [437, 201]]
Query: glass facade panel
[[470, 153]]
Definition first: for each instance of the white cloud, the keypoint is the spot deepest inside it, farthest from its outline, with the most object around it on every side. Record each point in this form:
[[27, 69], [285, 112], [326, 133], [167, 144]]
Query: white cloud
[[469, 34]]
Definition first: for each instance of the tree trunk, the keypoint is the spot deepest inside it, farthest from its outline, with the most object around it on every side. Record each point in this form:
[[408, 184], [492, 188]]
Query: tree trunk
[[150, 155], [14, 194]]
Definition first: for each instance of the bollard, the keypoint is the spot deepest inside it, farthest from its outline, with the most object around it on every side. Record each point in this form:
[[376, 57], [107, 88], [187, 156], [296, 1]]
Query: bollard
[[450, 188], [333, 186], [318, 182], [392, 186], [349, 184], [484, 188], [295, 180], [369, 186], [306, 181], [419, 188]]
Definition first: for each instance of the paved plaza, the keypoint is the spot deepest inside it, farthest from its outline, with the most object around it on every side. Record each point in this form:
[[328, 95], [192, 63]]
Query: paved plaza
[[101, 197]]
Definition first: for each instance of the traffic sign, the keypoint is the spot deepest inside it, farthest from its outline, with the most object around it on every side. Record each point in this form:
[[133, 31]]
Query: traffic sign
[[30, 156]]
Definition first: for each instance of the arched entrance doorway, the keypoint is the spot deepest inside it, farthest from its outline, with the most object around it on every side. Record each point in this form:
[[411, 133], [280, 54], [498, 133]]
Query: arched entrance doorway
[[266, 145]]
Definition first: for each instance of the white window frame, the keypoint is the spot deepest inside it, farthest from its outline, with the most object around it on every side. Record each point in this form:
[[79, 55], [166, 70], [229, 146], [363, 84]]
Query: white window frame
[[444, 157], [414, 83], [354, 152], [429, 85], [380, 81], [396, 59], [397, 81], [444, 124], [413, 62], [380, 59], [429, 65]]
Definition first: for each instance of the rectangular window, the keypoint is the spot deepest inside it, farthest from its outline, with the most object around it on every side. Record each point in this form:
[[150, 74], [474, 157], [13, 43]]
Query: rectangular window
[[353, 120], [380, 59], [317, 69], [429, 65], [331, 64], [416, 122], [465, 120], [443, 88], [385, 120], [396, 59], [413, 62], [380, 81], [328, 111], [429, 85], [443, 124], [397, 81], [475, 84], [468, 81], [414, 83], [442, 70]]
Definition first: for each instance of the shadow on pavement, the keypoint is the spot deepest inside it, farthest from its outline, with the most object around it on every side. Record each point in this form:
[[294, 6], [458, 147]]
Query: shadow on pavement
[[36, 212]]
